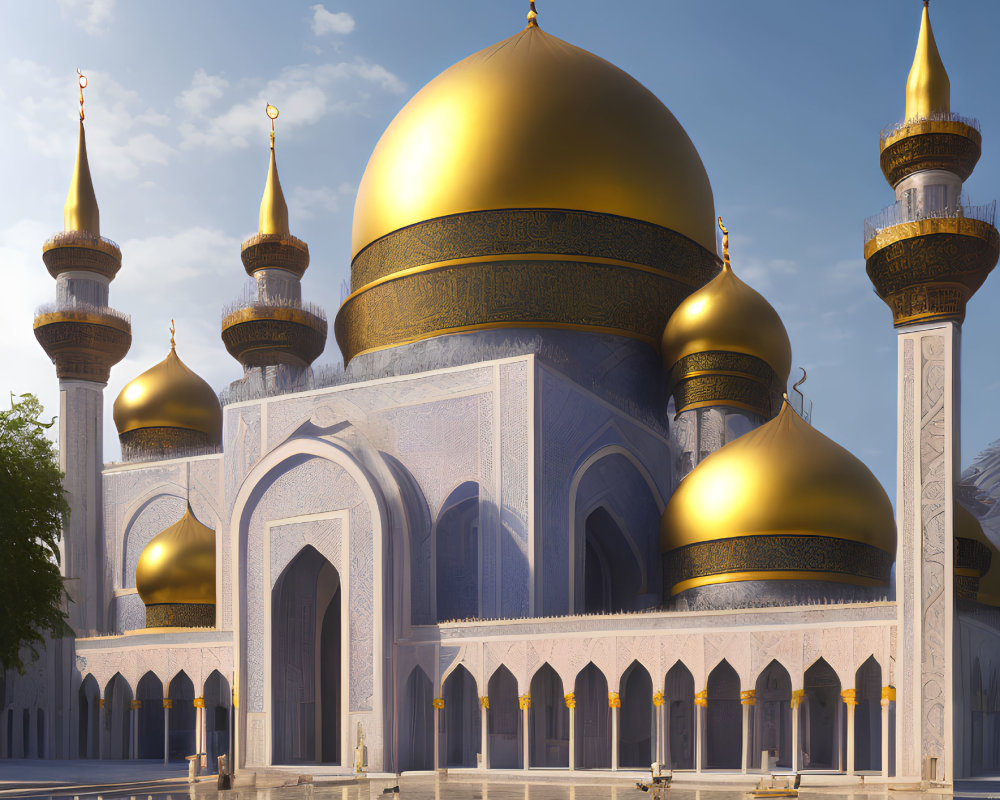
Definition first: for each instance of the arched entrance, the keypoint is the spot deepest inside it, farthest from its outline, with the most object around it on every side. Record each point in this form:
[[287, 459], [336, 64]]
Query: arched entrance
[[679, 697], [637, 720], [611, 574], [868, 717], [723, 719], [416, 724], [549, 731], [821, 718], [593, 720], [305, 661], [88, 730], [504, 721], [462, 724], [457, 554], [772, 730], [149, 692], [180, 736], [217, 704], [117, 708]]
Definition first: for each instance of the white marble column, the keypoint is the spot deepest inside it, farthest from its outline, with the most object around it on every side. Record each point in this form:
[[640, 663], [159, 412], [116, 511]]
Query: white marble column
[[437, 732], [167, 705], [525, 703], [888, 697], [700, 707], [850, 702], [571, 705], [615, 703], [484, 707], [928, 464], [100, 728], [797, 696], [747, 700]]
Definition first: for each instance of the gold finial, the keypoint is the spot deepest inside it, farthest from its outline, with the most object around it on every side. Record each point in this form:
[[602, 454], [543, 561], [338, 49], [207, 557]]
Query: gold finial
[[273, 209], [725, 246], [83, 85], [532, 15], [173, 330], [81, 212], [928, 90], [272, 113], [800, 381]]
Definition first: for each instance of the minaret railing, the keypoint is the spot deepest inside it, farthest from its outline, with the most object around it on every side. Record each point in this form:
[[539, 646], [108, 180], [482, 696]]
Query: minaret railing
[[897, 214]]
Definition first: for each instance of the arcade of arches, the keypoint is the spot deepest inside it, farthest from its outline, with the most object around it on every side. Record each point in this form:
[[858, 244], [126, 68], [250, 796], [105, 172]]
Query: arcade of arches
[[727, 726]]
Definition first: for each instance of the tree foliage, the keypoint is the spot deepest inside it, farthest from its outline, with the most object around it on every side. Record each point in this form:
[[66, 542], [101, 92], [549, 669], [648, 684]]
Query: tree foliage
[[32, 511]]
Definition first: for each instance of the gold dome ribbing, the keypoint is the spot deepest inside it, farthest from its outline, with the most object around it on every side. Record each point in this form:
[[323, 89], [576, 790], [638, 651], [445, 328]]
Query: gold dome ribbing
[[534, 122], [784, 479], [928, 90]]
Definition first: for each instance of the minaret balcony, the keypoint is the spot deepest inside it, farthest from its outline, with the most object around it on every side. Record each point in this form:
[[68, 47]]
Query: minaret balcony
[[262, 334], [943, 141], [275, 251], [81, 250], [926, 264], [83, 341]]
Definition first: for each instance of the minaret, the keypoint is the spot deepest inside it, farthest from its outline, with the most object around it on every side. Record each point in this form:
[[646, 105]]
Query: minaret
[[274, 329], [84, 337], [927, 254]]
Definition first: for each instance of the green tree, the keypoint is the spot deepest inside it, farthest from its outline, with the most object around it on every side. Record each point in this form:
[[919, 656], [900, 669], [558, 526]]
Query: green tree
[[32, 510]]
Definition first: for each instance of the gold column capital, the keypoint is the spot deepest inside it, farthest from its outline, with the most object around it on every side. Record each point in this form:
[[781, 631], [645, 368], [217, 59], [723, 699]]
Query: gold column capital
[[850, 697], [614, 700], [524, 702], [168, 703], [701, 699], [199, 702], [749, 697], [797, 697], [570, 700], [484, 702], [658, 699], [438, 702]]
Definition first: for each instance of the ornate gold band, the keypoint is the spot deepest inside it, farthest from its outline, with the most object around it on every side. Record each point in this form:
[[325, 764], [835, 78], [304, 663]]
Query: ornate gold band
[[84, 251], [180, 615], [150, 444], [924, 127], [83, 345], [274, 251], [722, 378], [971, 557], [262, 336], [528, 268], [952, 151], [775, 557]]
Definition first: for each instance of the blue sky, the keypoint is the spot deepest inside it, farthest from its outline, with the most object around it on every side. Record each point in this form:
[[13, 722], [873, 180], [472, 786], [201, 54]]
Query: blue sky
[[784, 101]]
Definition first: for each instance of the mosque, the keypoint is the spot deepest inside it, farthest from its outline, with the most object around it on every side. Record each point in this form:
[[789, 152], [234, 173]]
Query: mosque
[[557, 510]]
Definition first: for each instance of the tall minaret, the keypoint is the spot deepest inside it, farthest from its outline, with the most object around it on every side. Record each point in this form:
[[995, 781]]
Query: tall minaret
[[273, 333], [84, 337], [927, 254]]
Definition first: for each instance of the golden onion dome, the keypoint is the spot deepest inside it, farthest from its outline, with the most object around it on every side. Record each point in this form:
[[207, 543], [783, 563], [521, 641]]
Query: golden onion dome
[[783, 502], [728, 315], [534, 122], [175, 574], [168, 404]]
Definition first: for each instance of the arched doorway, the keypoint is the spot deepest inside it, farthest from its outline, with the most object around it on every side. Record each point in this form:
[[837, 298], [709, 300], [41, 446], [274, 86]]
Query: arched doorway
[[457, 554], [679, 698], [549, 731], [88, 721], [461, 719], [593, 720], [772, 730], [723, 719], [612, 577], [416, 724], [868, 717], [181, 719], [218, 700], [637, 722], [117, 708], [150, 693], [821, 718], [305, 661], [504, 721]]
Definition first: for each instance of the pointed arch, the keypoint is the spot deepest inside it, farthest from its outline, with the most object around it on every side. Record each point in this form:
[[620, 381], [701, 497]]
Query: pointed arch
[[181, 721], [549, 720], [772, 714], [821, 725], [868, 717], [218, 701], [504, 721], [117, 709], [462, 721], [723, 719], [416, 725], [593, 719], [679, 699], [456, 554], [637, 722], [88, 732], [149, 692]]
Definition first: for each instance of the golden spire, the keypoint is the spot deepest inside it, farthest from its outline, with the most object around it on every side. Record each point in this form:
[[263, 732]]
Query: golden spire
[[726, 266], [928, 90], [273, 209], [80, 212], [173, 330], [532, 15]]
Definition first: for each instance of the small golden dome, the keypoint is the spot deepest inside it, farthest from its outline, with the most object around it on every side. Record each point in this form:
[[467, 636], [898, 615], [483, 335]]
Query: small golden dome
[[928, 90], [785, 480], [169, 395], [534, 122], [726, 314], [178, 565]]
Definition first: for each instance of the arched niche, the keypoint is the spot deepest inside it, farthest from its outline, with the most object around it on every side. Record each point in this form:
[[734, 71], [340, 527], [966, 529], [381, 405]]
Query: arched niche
[[548, 720], [504, 721], [149, 692], [868, 717], [772, 716], [456, 547], [416, 723], [181, 718], [680, 718], [117, 710], [637, 724], [462, 724], [723, 719], [593, 720], [88, 720], [822, 730]]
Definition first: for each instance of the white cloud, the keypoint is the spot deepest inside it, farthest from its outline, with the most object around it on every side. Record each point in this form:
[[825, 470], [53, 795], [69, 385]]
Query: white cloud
[[205, 90], [305, 94], [306, 203], [91, 15], [331, 22]]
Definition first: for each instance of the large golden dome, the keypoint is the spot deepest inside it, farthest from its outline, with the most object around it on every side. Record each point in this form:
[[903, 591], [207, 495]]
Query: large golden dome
[[168, 407], [551, 178], [175, 575], [783, 502]]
